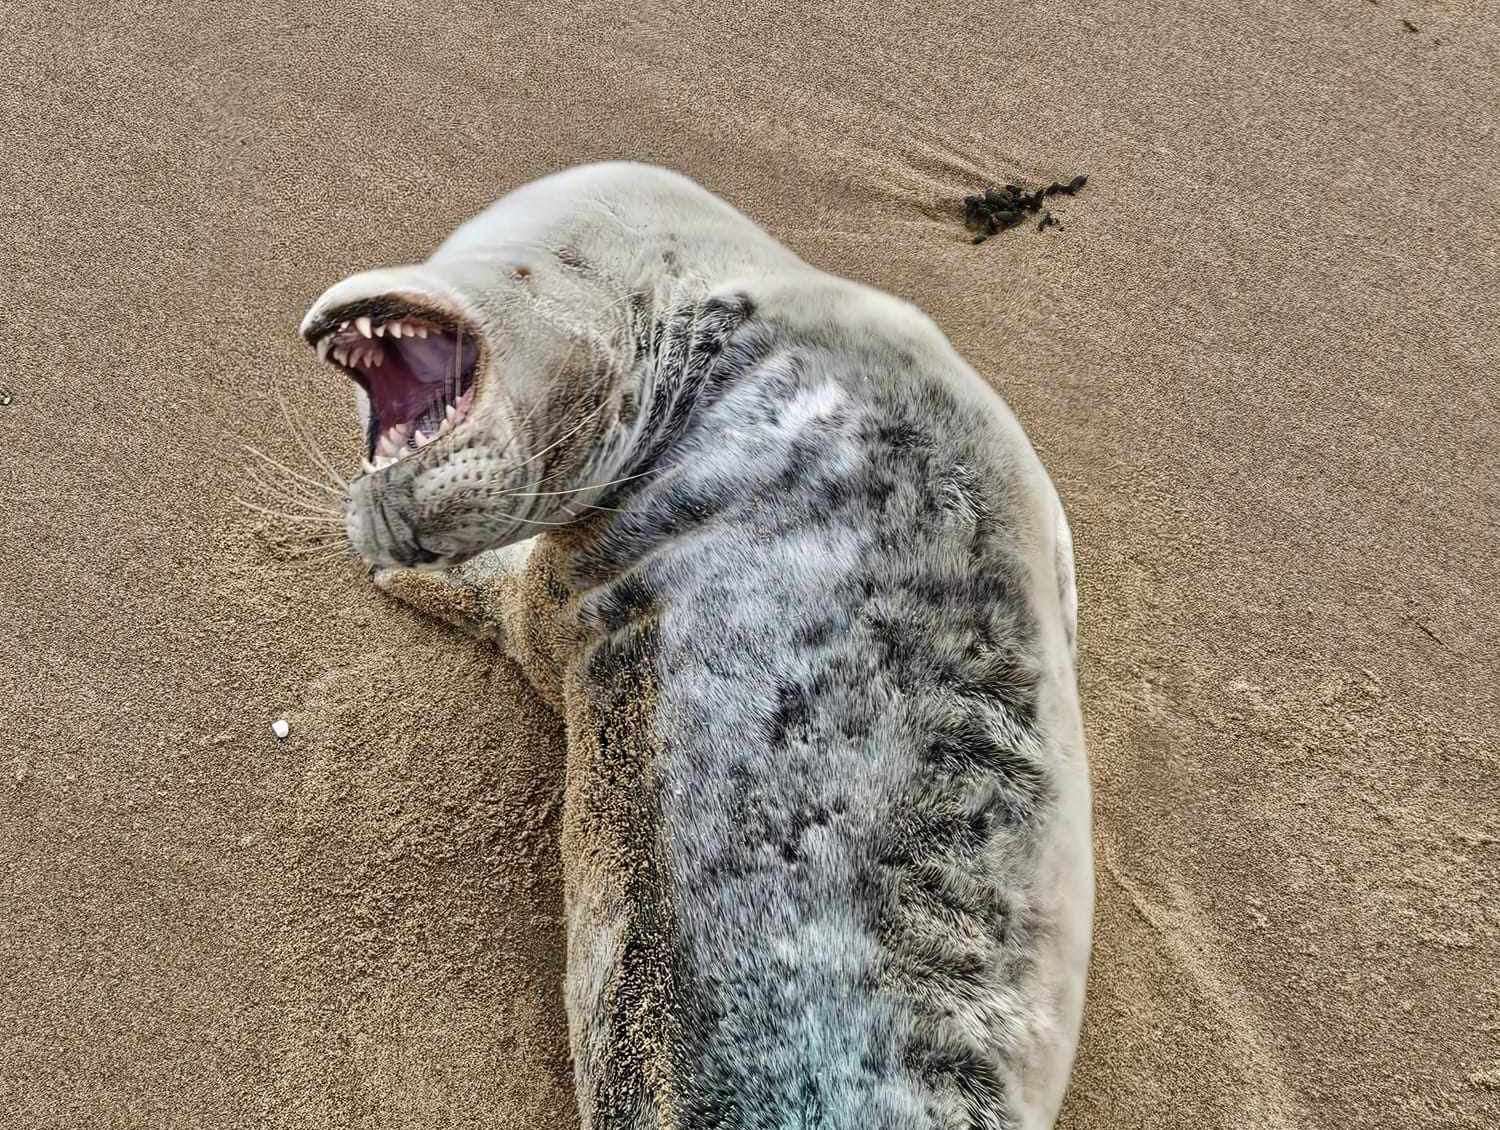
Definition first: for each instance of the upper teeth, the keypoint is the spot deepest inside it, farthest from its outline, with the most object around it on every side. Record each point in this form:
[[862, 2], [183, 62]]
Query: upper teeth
[[399, 328], [358, 354], [348, 349]]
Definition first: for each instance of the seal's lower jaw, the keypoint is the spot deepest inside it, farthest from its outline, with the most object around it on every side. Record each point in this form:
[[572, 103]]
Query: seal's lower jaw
[[379, 522], [416, 366]]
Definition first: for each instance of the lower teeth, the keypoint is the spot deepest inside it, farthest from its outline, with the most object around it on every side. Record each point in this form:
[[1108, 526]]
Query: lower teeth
[[402, 440]]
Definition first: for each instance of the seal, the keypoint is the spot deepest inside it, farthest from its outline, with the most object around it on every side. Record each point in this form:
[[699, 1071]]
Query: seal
[[803, 593]]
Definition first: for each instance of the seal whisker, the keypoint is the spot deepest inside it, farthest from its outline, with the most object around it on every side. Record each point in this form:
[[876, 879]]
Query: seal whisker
[[577, 490], [610, 509], [329, 551], [284, 516], [332, 516], [308, 444], [315, 560], [327, 488], [516, 432], [566, 435], [289, 492], [532, 521]]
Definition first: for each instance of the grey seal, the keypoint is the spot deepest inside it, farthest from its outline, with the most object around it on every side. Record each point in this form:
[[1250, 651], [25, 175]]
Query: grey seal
[[804, 595]]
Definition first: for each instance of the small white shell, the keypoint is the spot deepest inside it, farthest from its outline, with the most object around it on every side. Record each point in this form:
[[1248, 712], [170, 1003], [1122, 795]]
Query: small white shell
[[281, 728]]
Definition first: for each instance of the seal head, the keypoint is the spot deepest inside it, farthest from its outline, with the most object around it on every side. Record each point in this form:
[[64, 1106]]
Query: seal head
[[524, 356]]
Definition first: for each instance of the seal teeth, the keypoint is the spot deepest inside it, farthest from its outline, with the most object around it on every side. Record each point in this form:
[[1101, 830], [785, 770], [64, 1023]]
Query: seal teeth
[[393, 441], [356, 345]]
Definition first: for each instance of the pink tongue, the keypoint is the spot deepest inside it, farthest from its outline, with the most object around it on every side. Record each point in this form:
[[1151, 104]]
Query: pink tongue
[[397, 398], [430, 359]]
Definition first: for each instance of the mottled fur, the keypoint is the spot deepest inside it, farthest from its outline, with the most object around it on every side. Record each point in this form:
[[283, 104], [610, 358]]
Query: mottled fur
[[827, 818]]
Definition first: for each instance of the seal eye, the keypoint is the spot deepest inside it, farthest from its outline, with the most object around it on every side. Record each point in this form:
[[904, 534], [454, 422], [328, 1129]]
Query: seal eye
[[418, 374]]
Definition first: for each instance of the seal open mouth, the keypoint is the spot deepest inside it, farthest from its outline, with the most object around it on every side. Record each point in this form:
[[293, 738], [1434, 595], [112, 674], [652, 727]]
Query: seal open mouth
[[416, 368]]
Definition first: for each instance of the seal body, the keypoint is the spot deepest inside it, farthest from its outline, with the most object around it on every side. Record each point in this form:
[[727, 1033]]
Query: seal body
[[804, 594]]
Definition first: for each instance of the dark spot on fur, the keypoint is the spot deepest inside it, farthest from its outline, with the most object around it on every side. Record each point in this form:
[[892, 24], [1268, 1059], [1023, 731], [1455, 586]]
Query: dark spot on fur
[[792, 713], [556, 589], [629, 406], [901, 436], [733, 308], [820, 630], [630, 651], [966, 744], [612, 607], [974, 1077], [1001, 678]]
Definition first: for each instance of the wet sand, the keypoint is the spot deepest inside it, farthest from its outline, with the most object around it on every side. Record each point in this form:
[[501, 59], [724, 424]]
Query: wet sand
[[1259, 356]]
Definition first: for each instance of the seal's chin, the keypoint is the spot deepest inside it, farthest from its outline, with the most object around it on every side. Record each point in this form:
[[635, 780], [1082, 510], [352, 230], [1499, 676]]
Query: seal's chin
[[416, 368]]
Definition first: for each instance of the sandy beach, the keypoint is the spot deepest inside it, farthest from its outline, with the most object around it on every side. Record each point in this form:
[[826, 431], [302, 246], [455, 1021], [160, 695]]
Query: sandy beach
[[1259, 356]]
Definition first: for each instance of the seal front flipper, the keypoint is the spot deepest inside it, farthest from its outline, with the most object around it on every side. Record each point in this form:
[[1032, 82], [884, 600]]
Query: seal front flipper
[[511, 597]]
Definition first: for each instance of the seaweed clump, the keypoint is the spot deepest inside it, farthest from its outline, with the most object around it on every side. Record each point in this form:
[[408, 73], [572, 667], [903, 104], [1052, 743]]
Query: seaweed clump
[[995, 209]]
